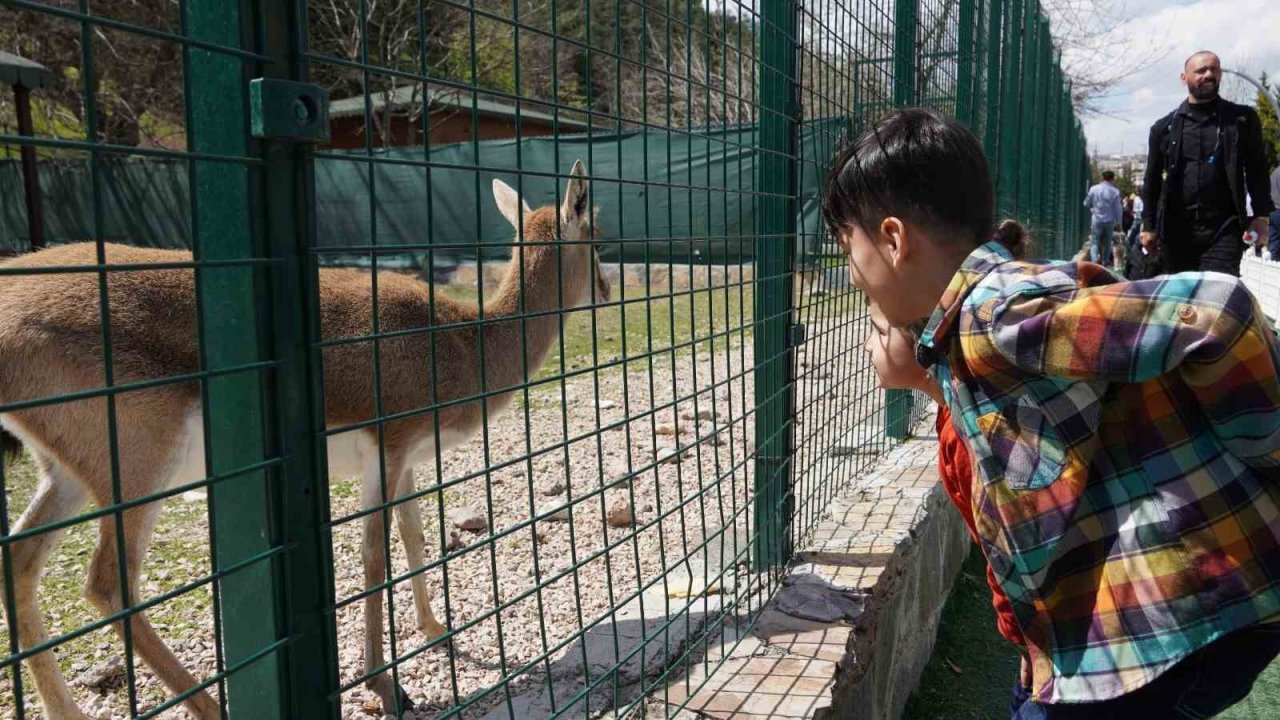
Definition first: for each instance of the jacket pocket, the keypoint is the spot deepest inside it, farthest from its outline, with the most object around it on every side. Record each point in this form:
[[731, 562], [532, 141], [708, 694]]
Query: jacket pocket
[[1025, 450]]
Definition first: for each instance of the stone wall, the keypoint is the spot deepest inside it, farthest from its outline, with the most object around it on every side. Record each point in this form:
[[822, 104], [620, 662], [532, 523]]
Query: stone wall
[[850, 631], [895, 635]]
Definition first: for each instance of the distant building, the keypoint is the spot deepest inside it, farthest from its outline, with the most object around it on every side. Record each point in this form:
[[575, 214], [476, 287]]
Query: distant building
[[452, 116], [1129, 168]]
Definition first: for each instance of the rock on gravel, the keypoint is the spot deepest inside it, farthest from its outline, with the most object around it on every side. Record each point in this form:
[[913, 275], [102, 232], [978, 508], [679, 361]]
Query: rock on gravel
[[665, 429], [712, 435], [551, 486], [455, 541], [469, 518], [617, 467], [554, 511], [607, 404], [669, 455], [620, 513], [105, 676]]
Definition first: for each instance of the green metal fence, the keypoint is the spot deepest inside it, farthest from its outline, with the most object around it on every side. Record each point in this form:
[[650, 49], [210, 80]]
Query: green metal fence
[[539, 487]]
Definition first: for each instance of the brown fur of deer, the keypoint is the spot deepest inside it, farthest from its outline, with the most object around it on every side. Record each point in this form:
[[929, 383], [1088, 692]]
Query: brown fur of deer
[[51, 344]]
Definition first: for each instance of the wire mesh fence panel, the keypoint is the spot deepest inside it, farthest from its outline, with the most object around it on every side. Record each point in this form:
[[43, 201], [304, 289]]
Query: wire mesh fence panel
[[141, 384], [594, 421], [480, 359]]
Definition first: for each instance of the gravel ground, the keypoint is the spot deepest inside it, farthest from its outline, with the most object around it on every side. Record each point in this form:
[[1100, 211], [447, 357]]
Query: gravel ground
[[695, 409]]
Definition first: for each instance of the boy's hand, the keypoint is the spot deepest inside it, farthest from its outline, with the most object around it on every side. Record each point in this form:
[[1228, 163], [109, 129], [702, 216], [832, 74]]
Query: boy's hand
[[1024, 672]]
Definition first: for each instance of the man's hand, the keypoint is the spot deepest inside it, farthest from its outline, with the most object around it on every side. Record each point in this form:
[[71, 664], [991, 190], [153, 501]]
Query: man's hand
[[1024, 672], [1148, 240], [1259, 228]]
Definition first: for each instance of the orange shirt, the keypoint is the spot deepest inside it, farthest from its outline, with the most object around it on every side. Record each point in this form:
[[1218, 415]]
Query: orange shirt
[[956, 471]]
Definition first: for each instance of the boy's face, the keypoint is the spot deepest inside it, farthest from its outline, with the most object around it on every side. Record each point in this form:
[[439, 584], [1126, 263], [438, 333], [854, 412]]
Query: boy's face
[[881, 264], [893, 354]]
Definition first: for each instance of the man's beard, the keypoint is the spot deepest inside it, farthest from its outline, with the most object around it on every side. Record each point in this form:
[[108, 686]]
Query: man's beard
[[1204, 91]]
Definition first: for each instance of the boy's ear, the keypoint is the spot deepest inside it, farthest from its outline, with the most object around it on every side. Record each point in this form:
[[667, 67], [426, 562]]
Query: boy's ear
[[896, 240]]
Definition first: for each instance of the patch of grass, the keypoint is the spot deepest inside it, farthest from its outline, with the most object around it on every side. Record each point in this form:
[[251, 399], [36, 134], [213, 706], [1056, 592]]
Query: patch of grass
[[653, 326], [179, 555], [645, 325], [968, 640]]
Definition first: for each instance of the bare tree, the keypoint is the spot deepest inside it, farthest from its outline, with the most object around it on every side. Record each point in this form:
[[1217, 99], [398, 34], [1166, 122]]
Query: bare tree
[[1097, 55], [693, 82]]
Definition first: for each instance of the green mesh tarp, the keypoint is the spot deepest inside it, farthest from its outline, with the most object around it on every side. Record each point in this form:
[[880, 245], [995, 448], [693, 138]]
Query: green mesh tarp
[[683, 197]]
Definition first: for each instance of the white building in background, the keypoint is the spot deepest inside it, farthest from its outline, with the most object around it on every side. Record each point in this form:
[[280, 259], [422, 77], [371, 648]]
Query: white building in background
[[1129, 167]]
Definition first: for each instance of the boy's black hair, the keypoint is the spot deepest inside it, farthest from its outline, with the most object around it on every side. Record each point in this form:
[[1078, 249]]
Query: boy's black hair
[[920, 167], [1108, 175]]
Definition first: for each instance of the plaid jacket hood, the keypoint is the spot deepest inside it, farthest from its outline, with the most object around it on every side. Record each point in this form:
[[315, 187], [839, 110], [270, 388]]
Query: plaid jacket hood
[[1126, 443]]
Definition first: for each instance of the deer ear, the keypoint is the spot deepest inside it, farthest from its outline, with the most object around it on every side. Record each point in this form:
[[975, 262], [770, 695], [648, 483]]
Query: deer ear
[[575, 195], [509, 203]]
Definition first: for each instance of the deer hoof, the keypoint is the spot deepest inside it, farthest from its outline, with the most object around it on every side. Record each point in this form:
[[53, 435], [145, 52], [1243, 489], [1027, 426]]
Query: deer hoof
[[430, 628]]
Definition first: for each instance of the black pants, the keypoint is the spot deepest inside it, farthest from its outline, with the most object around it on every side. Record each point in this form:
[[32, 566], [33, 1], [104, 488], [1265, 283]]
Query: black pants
[[1206, 244]]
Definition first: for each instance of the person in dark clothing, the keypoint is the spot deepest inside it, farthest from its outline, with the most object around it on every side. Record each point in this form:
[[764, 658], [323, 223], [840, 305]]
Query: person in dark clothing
[[1202, 160]]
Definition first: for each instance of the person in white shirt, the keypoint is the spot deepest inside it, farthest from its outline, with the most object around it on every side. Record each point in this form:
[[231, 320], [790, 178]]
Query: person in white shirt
[[1136, 228]]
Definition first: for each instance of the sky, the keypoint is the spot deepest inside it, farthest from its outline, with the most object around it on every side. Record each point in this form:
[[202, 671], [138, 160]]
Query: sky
[[1244, 33]]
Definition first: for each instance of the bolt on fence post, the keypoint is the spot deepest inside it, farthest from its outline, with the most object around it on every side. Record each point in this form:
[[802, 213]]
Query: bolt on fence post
[[899, 403], [236, 408], [776, 169]]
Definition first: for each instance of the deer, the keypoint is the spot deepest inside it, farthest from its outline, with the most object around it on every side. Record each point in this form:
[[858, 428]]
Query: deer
[[51, 344]]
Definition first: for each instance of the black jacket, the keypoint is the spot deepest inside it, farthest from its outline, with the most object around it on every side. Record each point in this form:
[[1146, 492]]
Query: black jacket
[[1242, 156]]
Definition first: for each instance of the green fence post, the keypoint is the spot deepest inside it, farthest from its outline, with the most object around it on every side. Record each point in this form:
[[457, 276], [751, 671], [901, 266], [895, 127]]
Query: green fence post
[[1029, 119], [775, 256], [995, 75], [980, 67], [898, 403], [311, 659], [236, 415], [905, 52], [966, 58], [1035, 158], [1010, 112], [1057, 189]]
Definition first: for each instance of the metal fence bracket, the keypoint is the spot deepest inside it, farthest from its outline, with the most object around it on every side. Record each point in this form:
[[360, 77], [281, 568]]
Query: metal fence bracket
[[288, 110]]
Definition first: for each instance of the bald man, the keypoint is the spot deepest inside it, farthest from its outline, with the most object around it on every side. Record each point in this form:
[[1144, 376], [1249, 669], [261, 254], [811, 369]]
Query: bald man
[[1202, 160]]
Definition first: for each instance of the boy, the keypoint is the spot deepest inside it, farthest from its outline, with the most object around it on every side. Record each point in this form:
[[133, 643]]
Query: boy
[[1125, 436], [892, 354]]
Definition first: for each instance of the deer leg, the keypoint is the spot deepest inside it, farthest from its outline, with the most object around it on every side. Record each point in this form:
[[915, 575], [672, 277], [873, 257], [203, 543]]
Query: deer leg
[[57, 498], [103, 590], [409, 520], [374, 555]]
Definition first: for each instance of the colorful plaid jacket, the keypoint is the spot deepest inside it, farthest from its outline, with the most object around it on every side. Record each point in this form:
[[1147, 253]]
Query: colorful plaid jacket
[[1126, 438]]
